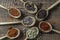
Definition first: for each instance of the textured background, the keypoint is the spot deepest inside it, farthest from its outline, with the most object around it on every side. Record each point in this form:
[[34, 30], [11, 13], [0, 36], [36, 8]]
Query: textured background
[[54, 18]]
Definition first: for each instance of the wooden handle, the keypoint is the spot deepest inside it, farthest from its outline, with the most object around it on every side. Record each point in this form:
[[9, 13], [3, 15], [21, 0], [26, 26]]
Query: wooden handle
[[22, 1], [3, 7], [25, 39], [56, 31], [7, 23], [56, 3], [2, 37]]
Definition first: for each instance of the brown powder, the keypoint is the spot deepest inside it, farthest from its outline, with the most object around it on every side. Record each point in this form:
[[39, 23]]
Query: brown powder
[[14, 12], [12, 32]]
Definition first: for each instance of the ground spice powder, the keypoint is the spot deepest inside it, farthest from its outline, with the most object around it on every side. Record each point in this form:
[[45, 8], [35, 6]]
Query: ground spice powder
[[14, 12], [12, 32], [45, 26]]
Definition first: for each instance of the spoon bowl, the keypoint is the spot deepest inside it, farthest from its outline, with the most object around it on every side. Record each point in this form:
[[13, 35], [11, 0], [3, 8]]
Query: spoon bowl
[[30, 33], [51, 29], [9, 36], [30, 11]]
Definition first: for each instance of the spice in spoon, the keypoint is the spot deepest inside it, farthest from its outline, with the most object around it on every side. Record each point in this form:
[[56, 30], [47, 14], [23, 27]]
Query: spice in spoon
[[14, 12], [12, 32], [44, 26], [32, 32], [41, 14], [29, 21], [30, 6]]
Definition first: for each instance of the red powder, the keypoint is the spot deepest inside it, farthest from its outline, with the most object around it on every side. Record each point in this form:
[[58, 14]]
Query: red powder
[[14, 12], [12, 32], [45, 26]]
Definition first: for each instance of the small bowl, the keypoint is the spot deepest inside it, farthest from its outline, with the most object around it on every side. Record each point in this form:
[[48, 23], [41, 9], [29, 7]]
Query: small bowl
[[16, 35], [40, 19], [15, 16], [47, 30], [31, 12], [32, 22]]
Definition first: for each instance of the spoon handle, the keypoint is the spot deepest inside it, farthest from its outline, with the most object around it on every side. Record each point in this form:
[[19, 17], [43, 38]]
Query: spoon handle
[[7, 23], [22, 1], [2, 37], [25, 39], [56, 31], [3, 7], [56, 3]]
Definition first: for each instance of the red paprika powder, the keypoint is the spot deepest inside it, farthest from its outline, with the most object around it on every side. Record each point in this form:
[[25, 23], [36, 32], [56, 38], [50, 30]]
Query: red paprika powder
[[14, 12], [45, 26]]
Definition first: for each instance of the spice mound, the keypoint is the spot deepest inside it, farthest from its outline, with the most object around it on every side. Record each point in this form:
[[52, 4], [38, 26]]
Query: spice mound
[[29, 21], [32, 32], [41, 14], [30, 6], [14, 12], [45, 26], [12, 32]]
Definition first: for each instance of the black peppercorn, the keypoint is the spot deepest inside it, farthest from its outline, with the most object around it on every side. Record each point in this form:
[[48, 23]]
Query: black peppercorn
[[41, 14]]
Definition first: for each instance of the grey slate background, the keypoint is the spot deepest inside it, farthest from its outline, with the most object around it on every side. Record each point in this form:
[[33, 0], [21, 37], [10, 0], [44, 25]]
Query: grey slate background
[[54, 18]]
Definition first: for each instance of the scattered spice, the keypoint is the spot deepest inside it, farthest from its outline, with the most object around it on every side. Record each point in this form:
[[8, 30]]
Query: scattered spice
[[12, 32], [41, 14], [14, 12], [44, 26]]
